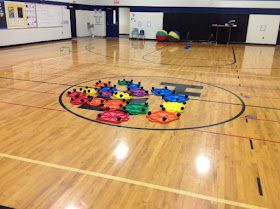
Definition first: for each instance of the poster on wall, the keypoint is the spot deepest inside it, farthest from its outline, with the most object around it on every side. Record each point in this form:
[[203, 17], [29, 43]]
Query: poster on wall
[[31, 17], [15, 15], [98, 17], [3, 22]]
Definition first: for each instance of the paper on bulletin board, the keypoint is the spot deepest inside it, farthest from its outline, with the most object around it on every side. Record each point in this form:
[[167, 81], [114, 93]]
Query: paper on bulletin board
[[31, 17], [3, 22], [15, 15], [98, 17]]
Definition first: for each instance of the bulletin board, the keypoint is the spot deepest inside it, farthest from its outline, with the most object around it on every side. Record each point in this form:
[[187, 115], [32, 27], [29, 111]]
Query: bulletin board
[[3, 22], [15, 15], [49, 15]]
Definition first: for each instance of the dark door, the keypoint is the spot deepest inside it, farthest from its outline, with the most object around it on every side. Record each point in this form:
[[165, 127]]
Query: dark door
[[278, 39], [112, 22], [73, 21]]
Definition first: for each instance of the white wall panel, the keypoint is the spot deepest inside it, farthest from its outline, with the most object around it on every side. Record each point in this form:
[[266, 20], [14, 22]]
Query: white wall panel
[[263, 29], [124, 20], [82, 18]]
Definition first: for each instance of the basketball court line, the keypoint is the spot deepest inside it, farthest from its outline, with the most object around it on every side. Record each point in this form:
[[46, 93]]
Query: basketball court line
[[202, 66], [236, 136], [35, 60], [136, 76], [196, 130], [52, 93], [230, 103], [46, 92], [151, 52], [35, 81], [258, 119], [166, 64], [263, 97], [132, 182], [36, 45], [203, 100], [243, 86], [275, 77], [265, 120], [191, 71], [202, 131], [62, 84], [31, 106], [29, 90], [269, 108]]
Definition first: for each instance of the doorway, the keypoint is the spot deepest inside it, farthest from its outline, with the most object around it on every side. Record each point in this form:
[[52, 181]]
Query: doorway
[[112, 22]]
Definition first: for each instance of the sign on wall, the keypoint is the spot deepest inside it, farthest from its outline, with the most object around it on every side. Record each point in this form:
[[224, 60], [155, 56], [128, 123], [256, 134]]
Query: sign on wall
[[16, 15], [31, 17], [98, 17], [3, 22]]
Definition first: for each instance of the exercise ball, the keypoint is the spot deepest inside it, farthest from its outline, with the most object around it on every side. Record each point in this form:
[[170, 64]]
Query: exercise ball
[[162, 35], [172, 36]]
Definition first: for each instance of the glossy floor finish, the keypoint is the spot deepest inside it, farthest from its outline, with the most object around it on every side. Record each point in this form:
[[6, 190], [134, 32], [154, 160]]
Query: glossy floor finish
[[52, 158]]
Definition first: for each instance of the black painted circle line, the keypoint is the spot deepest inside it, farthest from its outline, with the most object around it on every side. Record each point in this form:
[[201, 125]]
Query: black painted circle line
[[156, 129]]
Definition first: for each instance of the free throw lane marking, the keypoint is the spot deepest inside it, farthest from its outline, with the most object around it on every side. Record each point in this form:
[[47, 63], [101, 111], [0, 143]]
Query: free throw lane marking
[[133, 182]]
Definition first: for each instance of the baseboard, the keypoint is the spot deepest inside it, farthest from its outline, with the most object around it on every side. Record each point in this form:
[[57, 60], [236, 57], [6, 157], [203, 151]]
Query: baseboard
[[146, 39], [24, 44], [260, 44]]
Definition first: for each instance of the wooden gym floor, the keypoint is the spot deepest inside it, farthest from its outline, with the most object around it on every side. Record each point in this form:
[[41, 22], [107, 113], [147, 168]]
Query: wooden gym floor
[[223, 153]]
